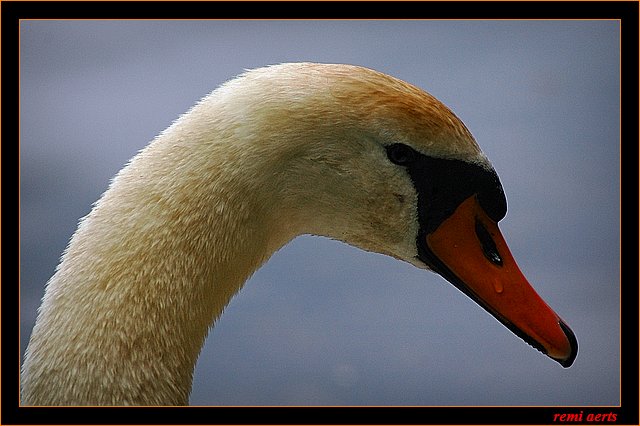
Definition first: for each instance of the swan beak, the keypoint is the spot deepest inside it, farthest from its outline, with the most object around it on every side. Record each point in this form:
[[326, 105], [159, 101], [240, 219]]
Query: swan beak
[[470, 252]]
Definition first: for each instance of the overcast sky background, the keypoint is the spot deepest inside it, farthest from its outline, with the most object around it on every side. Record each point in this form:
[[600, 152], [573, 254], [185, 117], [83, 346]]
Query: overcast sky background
[[323, 323]]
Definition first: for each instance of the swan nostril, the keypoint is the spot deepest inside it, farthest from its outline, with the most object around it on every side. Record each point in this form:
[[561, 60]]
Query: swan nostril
[[488, 245]]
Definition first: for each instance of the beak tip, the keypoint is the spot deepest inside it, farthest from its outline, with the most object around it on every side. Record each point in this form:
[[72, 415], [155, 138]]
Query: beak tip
[[573, 344]]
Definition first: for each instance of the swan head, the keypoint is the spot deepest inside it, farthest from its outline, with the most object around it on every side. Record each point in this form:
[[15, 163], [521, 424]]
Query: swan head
[[380, 164]]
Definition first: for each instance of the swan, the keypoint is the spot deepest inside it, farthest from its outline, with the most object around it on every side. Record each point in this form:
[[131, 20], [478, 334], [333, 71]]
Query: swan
[[334, 150]]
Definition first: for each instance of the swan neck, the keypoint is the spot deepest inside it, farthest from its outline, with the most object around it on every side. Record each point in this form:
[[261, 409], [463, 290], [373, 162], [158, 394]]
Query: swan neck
[[147, 273]]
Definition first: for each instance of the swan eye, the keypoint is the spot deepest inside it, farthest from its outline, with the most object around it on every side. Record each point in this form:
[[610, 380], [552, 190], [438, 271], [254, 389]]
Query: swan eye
[[400, 154]]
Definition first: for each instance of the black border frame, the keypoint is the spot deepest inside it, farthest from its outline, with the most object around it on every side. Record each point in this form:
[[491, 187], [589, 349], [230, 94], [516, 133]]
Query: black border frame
[[13, 11]]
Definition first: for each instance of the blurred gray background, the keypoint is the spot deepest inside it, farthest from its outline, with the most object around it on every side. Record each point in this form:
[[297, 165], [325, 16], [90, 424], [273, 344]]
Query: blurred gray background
[[323, 323]]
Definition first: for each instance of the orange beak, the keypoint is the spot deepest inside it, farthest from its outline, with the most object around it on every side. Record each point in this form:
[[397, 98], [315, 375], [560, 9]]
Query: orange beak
[[469, 251]]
